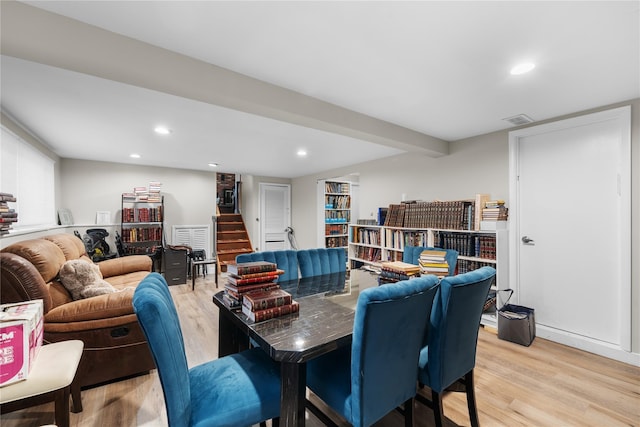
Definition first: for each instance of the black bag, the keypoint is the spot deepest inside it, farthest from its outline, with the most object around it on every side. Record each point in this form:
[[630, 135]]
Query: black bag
[[516, 323]]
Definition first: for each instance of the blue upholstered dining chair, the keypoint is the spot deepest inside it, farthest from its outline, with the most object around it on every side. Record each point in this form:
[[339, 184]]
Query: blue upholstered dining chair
[[320, 261], [411, 255], [449, 356], [236, 390], [285, 259], [377, 373]]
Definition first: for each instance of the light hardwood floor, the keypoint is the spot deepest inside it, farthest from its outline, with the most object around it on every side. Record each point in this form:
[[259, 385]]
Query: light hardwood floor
[[546, 384]]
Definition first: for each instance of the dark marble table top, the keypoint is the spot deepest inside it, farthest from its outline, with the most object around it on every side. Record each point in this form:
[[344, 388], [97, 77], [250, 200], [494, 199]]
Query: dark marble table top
[[324, 322]]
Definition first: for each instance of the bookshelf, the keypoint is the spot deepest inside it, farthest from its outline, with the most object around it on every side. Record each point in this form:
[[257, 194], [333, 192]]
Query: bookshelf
[[334, 198], [142, 225], [370, 245]]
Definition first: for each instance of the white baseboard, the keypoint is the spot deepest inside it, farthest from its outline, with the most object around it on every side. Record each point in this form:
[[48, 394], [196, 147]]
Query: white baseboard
[[601, 348]]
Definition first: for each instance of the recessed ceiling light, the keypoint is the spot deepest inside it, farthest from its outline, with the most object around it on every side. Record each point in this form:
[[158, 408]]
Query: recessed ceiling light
[[213, 165], [301, 153], [134, 156], [525, 67], [162, 130]]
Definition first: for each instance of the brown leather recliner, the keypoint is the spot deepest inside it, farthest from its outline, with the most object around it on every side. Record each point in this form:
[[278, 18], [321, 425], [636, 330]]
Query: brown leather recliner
[[114, 344]]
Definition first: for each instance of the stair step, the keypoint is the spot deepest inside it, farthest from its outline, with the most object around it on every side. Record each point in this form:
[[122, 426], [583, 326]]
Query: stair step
[[234, 251], [232, 241]]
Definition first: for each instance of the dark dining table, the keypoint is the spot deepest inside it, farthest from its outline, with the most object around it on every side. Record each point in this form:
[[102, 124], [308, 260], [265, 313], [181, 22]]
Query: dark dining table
[[323, 324]]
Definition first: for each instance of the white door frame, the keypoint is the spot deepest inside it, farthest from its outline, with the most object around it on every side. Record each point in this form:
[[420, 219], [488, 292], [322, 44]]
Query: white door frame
[[261, 232], [623, 116]]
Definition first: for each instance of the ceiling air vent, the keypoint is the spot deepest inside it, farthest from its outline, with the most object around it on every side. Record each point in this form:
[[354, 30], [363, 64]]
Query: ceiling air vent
[[520, 119]]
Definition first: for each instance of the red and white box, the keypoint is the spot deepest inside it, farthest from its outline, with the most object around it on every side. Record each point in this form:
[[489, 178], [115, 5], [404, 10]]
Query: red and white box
[[21, 336]]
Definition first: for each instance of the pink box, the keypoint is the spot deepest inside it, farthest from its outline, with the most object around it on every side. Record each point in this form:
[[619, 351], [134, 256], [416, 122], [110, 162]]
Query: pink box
[[21, 335]]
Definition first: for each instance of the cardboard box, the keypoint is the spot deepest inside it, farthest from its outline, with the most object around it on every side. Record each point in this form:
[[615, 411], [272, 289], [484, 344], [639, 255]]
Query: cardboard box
[[21, 333]]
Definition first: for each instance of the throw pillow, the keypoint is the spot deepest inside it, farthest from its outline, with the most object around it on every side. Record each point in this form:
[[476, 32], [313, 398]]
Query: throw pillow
[[84, 279]]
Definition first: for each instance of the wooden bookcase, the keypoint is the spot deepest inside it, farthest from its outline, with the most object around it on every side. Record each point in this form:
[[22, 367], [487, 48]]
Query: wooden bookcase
[[334, 199], [370, 245]]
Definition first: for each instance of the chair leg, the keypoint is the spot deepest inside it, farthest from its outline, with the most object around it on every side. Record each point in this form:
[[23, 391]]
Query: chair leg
[[408, 413], [263, 424], [275, 422], [436, 401], [471, 399]]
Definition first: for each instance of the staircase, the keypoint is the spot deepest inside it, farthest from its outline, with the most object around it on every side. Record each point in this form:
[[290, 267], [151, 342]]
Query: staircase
[[232, 239]]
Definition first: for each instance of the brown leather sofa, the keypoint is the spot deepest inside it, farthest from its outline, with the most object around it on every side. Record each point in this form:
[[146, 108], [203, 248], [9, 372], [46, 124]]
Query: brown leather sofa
[[114, 345]]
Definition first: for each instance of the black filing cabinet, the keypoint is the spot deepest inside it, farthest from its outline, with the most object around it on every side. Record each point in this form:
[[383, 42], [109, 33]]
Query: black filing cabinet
[[175, 266]]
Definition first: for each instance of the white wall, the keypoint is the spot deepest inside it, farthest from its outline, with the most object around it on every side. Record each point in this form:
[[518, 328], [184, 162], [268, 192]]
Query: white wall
[[474, 165], [88, 186]]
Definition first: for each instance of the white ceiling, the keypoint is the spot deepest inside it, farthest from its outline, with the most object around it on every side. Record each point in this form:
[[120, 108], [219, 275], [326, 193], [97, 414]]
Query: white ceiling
[[435, 68]]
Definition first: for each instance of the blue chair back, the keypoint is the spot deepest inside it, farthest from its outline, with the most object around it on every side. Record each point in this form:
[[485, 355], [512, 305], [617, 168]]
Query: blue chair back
[[285, 260], [411, 255], [151, 302], [389, 328], [320, 261], [453, 334]]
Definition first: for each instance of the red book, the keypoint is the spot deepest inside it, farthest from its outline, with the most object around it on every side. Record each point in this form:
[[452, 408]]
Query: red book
[[251, 288], [260, 300], [270, 313], [252, 280], [251, 267]]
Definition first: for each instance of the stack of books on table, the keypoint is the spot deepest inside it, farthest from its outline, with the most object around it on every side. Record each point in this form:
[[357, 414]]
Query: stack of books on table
[[249, 277], [395, 271], [432, 261], [264, 305]]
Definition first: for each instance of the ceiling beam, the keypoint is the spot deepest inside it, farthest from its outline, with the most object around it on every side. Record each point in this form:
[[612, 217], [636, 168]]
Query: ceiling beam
[[36, 35]]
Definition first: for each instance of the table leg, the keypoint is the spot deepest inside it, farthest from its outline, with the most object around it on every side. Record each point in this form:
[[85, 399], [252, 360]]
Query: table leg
[[193, 276], [230, 339], [62, 407], [293, 393]]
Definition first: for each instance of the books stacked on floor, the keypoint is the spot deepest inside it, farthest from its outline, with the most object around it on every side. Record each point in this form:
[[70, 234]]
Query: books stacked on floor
[[495, 210], [395, 271], [433, 261], [7, 215], [249, 277], [259, 306]]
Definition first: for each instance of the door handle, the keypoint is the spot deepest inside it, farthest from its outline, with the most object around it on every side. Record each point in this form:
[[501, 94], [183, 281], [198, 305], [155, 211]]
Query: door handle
[[527, 241]]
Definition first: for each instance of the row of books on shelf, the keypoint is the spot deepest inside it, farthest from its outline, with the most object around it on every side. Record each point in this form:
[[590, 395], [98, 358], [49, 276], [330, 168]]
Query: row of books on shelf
[[366, 236], [336, 229], [451, 215], [336, 242], [253, 289], [142, 194], [337, 216], [337, 202], [336, 187], [142, 214], [399, 239], [454, 215], [143, 250], [474, 245], [368, 253], [8, 215], [141, 234]]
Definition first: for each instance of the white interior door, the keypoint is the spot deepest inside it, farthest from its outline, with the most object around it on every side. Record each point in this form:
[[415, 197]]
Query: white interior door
[[570, 216], [275, 216]]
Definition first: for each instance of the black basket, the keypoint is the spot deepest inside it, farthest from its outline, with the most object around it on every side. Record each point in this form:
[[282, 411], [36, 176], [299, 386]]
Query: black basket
[[516, 323]]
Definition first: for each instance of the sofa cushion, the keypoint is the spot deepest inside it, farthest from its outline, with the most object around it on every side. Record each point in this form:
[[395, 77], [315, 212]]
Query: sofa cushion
[[83, 279], [46, 256], [70, 245]]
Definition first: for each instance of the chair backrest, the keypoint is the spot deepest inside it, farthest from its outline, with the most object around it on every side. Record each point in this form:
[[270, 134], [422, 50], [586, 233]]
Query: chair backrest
[[453, 333], [320, 261], [157, 315], [411, 255], [388, 332], [285, 260]]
